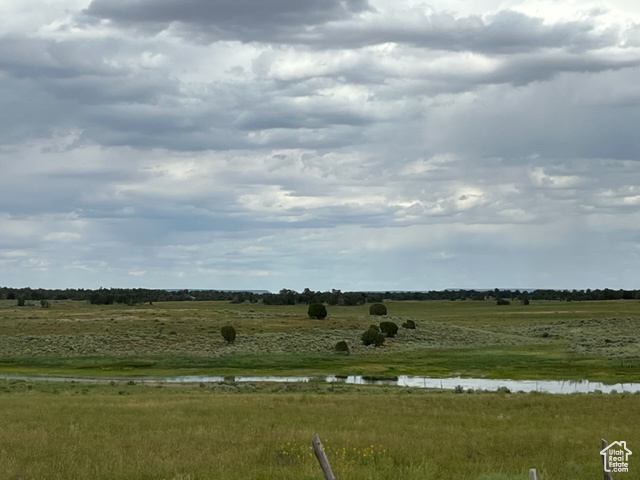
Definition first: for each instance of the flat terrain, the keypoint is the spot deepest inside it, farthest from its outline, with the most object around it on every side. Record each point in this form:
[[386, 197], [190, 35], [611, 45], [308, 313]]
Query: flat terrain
[[239, 432], [573, 340], [232, 431]]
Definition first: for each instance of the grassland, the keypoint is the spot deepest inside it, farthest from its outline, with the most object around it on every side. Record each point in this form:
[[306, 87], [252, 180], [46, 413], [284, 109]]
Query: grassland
[[592, 340], [129, 430], [263, 432]]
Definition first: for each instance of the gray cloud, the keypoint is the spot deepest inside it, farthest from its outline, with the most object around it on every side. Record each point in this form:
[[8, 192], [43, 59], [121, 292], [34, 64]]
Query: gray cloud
[[563, 119], [340, 24], [219, 146], [505, 32], [246, 12], [36, 58], [246, 20]]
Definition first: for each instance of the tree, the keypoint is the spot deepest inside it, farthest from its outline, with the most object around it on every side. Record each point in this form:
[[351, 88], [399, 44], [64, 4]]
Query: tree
[[389, 329], [307, 296], [372, 337], [342, 347], [287, 296], [377, 309], [228, 333], [317, 310]]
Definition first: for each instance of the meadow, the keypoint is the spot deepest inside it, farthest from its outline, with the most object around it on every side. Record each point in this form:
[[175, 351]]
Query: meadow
[[572, 340], [129, 429], [226, 431]]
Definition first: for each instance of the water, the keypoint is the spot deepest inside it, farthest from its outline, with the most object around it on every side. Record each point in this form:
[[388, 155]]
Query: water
[[449, 383]]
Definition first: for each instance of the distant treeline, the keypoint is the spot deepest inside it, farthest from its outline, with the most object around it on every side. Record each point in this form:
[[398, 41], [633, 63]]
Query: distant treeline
[[134, 296]]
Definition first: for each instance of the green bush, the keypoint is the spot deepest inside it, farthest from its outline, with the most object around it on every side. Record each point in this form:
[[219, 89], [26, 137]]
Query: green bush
[[374, 327], [377, 309], [389, 329], [317, 310], [372, 337], [342, 347], [228, 333], [409, 324], [502, 301]]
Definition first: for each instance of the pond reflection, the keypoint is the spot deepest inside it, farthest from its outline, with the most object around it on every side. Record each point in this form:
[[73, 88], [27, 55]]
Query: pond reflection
[[448, 383]]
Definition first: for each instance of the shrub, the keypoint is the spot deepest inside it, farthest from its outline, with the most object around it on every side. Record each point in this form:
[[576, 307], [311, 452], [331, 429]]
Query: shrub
[[372, 337], [228, 333], [409, 324], [45, 303], [317, 310], [21, 301], [342, 347], [502, 301], [389, 329], [525, 301], [377, 309], [374, 327]]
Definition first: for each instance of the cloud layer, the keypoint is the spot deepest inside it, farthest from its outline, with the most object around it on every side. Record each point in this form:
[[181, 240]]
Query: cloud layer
[[332, 144]]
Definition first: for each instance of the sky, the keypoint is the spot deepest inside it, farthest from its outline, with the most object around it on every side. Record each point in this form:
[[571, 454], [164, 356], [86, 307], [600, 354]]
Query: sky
[[349, 144]]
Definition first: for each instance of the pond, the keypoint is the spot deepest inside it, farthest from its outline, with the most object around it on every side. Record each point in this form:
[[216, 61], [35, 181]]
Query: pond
[[448, 383]]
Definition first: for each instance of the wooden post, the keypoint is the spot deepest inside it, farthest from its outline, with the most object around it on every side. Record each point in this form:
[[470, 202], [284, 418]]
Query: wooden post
[[532, 474], [605, 460], [316, 444]]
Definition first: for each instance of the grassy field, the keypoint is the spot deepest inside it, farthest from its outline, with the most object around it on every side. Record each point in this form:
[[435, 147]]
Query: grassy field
[[594, 340], [263, 432], [127, 430]]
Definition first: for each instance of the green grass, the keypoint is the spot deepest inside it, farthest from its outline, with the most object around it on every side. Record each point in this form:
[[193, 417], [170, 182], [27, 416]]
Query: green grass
[[572, 340], [263, 432]]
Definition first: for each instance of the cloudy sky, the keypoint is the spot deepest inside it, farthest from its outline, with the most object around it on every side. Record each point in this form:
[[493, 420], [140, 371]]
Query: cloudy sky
[[351, 144]]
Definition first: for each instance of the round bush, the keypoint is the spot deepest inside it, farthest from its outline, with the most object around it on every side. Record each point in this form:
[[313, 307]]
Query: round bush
[[502, 301], [377, 309], [228, 333], [372, 337], [342, 347], [409, 324], [317, 310], [389, 329]]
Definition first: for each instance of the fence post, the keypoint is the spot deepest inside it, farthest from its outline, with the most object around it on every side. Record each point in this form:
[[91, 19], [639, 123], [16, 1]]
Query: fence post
[[322, 457], [605, 460], [532, 474]]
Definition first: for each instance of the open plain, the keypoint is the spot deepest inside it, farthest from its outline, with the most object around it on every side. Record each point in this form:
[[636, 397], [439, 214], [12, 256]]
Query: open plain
[[560, 340], [229, 430]]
